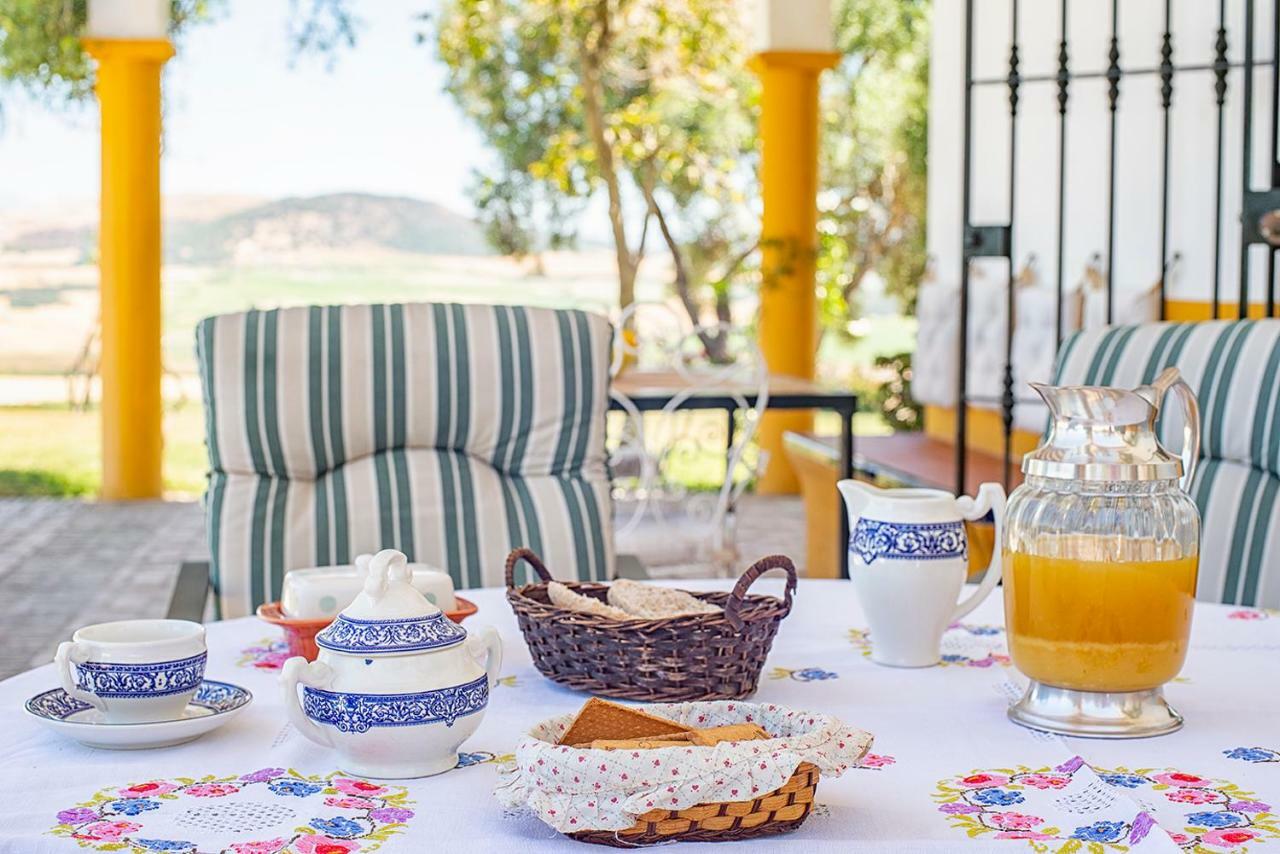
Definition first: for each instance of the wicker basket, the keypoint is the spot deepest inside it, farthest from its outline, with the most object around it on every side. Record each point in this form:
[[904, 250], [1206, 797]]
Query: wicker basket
[[780, 811], [696, 657]]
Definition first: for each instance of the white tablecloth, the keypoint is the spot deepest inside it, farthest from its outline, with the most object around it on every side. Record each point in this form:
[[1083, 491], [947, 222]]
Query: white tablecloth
[[937, 730]]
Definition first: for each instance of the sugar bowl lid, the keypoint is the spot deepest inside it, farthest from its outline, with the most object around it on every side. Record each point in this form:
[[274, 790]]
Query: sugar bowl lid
[[389, 616]]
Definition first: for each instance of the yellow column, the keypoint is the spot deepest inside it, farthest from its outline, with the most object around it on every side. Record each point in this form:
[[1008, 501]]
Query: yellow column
[[128, 89], [788, 236]]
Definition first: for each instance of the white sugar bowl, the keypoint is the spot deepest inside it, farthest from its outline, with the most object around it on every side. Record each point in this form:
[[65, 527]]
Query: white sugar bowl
[[397, 686]]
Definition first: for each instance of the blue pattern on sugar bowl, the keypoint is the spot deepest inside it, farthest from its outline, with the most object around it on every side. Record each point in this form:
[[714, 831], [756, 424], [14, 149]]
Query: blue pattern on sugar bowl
[[409, 634], [393, 660]]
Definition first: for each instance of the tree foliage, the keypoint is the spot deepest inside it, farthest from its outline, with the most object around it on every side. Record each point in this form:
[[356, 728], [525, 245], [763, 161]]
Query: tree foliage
[[651, 103]]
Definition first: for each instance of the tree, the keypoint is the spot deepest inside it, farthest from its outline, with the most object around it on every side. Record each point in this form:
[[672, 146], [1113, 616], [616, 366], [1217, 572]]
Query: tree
[[651, 103], [645, 101]]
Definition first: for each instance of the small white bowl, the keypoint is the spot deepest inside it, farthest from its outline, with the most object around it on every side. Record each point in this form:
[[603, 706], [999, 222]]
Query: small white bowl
[[323, 591]]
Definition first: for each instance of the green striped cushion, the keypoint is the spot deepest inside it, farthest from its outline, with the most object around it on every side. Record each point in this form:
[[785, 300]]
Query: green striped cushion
[[1234, 366], [451, 432]]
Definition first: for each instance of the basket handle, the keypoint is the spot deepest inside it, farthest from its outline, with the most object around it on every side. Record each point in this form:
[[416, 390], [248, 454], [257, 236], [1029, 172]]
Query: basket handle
[[528, 557], [749, 577]]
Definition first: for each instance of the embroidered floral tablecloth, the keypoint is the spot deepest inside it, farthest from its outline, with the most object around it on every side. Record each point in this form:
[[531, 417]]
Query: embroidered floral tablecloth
[[947, 770]]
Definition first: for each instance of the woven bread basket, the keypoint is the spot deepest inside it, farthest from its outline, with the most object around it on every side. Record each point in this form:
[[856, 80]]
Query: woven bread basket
[[694, 657], [780, 811]]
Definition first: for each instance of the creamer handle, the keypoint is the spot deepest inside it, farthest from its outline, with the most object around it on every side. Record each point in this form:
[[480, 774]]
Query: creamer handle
[[490, 643], [68, 655], [298, 670], [990, 498]]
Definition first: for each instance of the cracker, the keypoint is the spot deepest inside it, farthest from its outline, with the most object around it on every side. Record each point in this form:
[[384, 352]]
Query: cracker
[[562, 597], [732, 732], [655, 603], [635, 743], [600, 720]]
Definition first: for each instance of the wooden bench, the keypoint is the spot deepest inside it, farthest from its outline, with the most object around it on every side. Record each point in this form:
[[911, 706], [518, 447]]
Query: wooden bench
[[901, 459]]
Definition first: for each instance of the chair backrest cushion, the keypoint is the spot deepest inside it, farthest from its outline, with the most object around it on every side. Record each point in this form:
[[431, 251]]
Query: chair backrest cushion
[[453, 433], [1234, 367]]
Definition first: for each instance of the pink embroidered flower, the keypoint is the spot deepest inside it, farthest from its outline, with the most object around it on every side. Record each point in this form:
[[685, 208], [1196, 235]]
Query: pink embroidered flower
[[876, 760], [1192, 796], [953, 808], [212, 790], [974, 781], [358, 787], [317, 844], [1231, 837], [143, 790], [351, 803], [106, 830], [1022, 834], [1044, 781], [1179, 778], [1247, 615], [269, 846], [271, 661], [1014, 820], [1179, 838]]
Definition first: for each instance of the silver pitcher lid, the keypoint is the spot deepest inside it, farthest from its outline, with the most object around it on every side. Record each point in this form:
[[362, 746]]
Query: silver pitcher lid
[[1108, 434]]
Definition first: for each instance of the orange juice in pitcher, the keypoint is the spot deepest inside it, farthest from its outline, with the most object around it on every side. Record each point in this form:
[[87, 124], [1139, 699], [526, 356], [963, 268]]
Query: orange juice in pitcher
[[1101, 548]]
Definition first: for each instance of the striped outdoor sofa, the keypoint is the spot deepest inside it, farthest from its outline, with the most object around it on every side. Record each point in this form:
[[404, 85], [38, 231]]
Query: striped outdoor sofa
[[451, 432], [1234, 366]]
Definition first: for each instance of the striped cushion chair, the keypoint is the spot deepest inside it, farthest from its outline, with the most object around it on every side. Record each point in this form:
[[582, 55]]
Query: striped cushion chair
[[1234, 366], [451, 432]]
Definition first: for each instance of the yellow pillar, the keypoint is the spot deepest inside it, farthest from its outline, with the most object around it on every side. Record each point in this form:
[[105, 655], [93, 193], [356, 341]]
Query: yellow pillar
[[788, 236], [128, 89]]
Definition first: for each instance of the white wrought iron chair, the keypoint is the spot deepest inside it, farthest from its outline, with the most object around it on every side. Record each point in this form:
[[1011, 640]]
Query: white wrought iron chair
[[675, 530]]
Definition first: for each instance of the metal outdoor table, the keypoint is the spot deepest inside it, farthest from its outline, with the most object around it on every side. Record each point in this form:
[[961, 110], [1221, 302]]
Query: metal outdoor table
[[650, 391]]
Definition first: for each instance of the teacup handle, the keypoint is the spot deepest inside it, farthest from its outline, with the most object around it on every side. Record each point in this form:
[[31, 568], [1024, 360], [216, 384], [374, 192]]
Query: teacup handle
[[490, 643], [315, 674], [990, 499], [69, 654]]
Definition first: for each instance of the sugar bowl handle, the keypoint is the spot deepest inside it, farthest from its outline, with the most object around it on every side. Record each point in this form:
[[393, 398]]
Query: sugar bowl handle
[[991, 499], [489, 643], [315, 674], [69, 654]]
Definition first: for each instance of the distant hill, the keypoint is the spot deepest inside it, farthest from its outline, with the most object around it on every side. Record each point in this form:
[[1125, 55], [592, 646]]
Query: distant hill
[[292, 226]]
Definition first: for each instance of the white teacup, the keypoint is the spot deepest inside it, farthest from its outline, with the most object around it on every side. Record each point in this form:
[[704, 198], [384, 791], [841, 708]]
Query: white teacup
[[134, 671]]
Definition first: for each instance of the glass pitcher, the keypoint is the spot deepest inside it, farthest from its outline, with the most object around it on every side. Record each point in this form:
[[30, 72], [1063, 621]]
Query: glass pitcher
[[1101, 548]]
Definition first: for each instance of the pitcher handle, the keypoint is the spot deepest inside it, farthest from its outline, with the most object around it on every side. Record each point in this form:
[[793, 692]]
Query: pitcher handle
[[488, 642], [990, 499], [69, 654], [316, 674], [1190, 431]]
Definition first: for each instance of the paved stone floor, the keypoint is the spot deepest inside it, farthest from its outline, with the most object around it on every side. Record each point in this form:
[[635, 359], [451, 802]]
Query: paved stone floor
[[65, 564]]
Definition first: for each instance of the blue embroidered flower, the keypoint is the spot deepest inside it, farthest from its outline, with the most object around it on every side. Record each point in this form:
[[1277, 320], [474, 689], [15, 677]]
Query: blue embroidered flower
[[466, 760], [983, 630], [1100, 831], [297, 788], [1127, 781], [997, 797], [343, 828], [1252, 754], [165, 844], [1216, 819], [955, 659], [133, 806], [813, 674]]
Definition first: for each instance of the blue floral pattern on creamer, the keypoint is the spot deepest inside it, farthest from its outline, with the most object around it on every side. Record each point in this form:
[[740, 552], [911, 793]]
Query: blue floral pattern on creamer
[[153, 679], [359, 712], [872, 540], [411, 634]]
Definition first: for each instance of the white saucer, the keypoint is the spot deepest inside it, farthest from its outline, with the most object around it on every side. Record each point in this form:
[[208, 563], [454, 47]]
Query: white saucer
[[213, 705]]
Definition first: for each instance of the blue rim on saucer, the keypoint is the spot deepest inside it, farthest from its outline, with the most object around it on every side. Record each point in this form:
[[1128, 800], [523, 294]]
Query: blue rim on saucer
[[216, 697]]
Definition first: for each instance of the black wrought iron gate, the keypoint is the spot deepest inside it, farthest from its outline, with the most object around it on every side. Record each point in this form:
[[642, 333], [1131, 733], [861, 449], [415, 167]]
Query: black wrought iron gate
[[1260, 209]]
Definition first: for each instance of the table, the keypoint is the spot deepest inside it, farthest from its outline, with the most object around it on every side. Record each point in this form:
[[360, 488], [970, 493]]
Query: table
[[652, 390], [938, 731]]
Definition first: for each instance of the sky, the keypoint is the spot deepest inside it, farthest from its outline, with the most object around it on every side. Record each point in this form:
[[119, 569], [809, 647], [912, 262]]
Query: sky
[[245, 117]]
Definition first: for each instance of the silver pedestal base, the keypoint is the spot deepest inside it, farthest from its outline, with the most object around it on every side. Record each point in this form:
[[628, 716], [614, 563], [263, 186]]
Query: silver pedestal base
[[1136, 714]]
